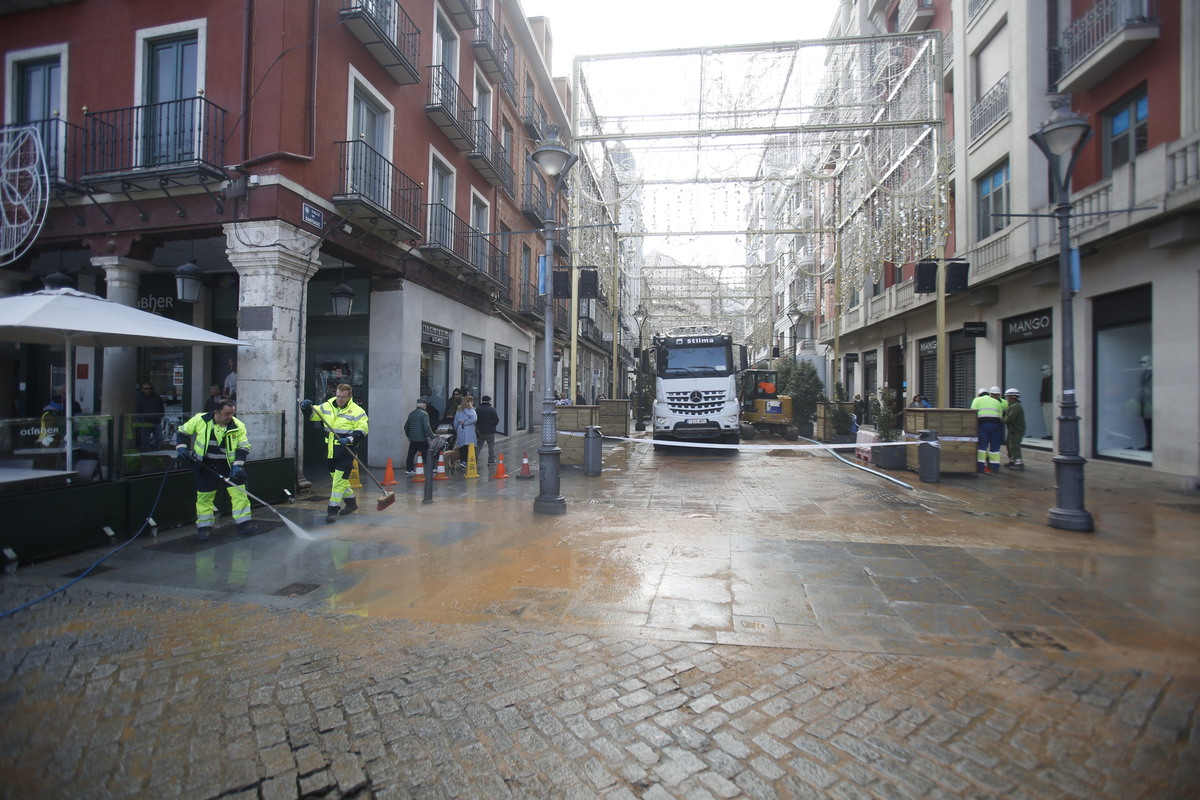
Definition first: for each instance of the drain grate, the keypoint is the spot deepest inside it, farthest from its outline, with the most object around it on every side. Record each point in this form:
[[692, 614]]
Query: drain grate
[[1031, 639], [94, 571], [187, 545], [296, 589]]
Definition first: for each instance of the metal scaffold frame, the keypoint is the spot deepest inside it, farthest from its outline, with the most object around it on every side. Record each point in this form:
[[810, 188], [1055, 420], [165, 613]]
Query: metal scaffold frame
[[770, 173]]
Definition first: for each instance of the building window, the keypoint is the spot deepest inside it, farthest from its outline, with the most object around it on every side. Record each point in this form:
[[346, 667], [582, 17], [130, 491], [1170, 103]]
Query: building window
[[993, 199], [1126, 130], [38, 90]]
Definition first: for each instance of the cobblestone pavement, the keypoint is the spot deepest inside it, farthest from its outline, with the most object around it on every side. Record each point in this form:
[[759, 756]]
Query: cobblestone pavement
[[155, 680]]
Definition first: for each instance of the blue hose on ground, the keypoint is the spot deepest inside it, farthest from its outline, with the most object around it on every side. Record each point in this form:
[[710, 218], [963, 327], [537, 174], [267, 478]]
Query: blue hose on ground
[[856, 465], [102, 559]]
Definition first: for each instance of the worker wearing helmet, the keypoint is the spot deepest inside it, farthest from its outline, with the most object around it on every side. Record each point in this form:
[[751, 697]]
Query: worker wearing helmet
[[991, 430], [1014, 418]]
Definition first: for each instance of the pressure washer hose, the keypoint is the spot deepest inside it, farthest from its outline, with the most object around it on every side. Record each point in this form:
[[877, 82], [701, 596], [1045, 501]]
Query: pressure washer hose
[[856, 465], [104, 557]]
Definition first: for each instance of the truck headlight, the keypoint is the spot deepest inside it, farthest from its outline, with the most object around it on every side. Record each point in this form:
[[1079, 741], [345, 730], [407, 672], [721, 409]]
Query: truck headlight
[[660, 422]]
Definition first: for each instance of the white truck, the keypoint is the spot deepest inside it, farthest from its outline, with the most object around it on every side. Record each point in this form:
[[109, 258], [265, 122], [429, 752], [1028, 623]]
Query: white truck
[[695, 386]]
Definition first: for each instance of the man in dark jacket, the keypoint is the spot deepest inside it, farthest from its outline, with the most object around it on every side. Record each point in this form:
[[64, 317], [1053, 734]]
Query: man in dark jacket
[[419, 432], [485, 428], [150, 409]]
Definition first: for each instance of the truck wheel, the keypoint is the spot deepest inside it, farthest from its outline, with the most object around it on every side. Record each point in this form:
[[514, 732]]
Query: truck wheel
[[791, 434]]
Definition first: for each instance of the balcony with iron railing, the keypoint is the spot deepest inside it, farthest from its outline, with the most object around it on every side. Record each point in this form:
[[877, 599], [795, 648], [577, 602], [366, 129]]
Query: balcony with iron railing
[[63, 145], [179, 142], [490, 157], [489, 264], [448, 239], [508, 82], [462, 12], [915, 15], [530, 302], [534, 203], [450, 108], [371, 187], [975, 6], [533, 117], [388, 33], [1106, 36], [489, 49], [990, 109]]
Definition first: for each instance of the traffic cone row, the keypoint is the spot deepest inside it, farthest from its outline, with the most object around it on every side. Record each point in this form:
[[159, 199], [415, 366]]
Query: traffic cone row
[[420, 476], [440, 473], [500, 473], [525, 473], [389, 475]]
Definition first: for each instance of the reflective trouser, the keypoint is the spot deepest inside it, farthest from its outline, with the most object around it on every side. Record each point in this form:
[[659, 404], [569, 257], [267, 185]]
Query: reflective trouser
[[988, 450], [339, 471], [206, 492]]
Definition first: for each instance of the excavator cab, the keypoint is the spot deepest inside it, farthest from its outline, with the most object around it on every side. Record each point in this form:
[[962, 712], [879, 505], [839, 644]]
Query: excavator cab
[[763, 408]]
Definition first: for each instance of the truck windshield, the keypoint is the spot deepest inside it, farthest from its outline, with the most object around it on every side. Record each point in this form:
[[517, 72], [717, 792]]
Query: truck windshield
[[711, 360]]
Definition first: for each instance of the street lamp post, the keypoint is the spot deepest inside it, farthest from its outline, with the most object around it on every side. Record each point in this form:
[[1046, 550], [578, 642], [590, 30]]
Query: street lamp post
[[1065, 134], [555, 161], [640, 315]]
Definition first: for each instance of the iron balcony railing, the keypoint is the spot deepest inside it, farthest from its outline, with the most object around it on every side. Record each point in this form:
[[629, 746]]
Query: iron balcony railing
[[1099, 24], [533, 202], [388, 32], [533, 116], [159, 137], [973, 7], [367, 175], [490, 157], [489, 50], [990, 108], [63, 145], [448, 232], [531, 302], [488, 258], [450, 106], [908, 12]]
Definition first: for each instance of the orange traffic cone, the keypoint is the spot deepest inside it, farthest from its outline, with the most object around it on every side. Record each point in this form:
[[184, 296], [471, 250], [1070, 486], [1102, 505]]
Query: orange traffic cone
[[389, 475], [439, 474], [420, 467], [500, 473], [524, 473]]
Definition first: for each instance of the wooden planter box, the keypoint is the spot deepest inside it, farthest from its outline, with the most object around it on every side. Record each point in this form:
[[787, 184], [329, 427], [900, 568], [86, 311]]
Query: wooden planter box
[[823, 428], [957, 430], [575, 419]]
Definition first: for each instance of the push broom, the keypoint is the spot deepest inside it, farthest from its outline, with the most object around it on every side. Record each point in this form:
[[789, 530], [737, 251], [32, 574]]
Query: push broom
[[388, 497]]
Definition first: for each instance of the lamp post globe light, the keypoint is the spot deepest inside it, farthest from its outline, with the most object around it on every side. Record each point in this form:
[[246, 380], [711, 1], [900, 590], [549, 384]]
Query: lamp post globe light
[[1064, 135], [555, 161]]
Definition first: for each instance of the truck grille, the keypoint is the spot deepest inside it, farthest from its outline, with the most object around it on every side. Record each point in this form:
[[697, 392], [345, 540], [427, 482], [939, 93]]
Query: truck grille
[[696, 403]]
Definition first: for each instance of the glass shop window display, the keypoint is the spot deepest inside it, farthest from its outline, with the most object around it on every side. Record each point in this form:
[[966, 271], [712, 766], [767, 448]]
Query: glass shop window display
[[1125, 392]]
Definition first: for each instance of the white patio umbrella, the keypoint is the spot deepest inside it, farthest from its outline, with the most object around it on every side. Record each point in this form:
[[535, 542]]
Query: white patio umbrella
[[77, 319]]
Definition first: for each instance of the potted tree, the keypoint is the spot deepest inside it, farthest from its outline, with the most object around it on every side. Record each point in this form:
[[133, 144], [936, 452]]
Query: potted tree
[[841, 419], [887, 429], [800, 380]]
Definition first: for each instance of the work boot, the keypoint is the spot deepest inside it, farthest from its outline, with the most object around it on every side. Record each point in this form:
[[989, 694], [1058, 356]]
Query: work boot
[[1018, 464], [203, 533], [246, 528], [331, 514], [350, 507], [993, 468], [980, 467]]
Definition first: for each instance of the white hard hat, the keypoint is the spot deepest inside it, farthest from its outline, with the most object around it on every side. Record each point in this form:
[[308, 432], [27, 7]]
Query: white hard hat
[[1017, 392], [982, 391], [994, 390]]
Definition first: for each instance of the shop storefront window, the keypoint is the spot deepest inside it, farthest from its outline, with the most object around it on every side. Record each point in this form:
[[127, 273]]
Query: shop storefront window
[[1028, 356], [435, 365], [1124, 375]]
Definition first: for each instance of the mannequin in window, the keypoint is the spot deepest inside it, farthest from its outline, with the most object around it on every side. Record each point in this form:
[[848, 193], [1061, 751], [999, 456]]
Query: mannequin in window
[[1145, 400], [1046, 398]]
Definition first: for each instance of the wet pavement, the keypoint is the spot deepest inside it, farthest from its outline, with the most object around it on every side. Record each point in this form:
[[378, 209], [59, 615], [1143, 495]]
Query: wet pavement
[[765, 623]]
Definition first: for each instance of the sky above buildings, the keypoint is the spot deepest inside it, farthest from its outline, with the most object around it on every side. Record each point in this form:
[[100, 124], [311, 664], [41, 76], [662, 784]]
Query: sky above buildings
[[594, 27]]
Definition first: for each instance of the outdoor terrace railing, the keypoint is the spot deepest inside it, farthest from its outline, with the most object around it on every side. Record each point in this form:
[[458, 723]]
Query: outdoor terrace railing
[[990, 108], [1099, 24], [367, 175], [389, 33], [63, 145], [159, 137]]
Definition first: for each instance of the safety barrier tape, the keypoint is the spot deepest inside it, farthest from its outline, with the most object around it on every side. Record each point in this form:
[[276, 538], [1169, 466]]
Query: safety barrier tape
[[743, 446]]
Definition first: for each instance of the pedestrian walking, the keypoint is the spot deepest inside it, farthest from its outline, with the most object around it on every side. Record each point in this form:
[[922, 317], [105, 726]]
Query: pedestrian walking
[[452, 404], [419, 433], [149, 408], [215, 445], [465, 420], [485, 428], [991, 414], [1014, 418], [345, 424]]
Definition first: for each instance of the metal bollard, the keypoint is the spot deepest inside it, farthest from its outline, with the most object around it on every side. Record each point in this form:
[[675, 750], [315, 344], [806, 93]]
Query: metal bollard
[[593, 449], [929, 457]]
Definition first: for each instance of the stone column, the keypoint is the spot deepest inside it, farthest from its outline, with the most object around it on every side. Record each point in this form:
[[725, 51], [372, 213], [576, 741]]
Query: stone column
[[274, 262], [118, 388]]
